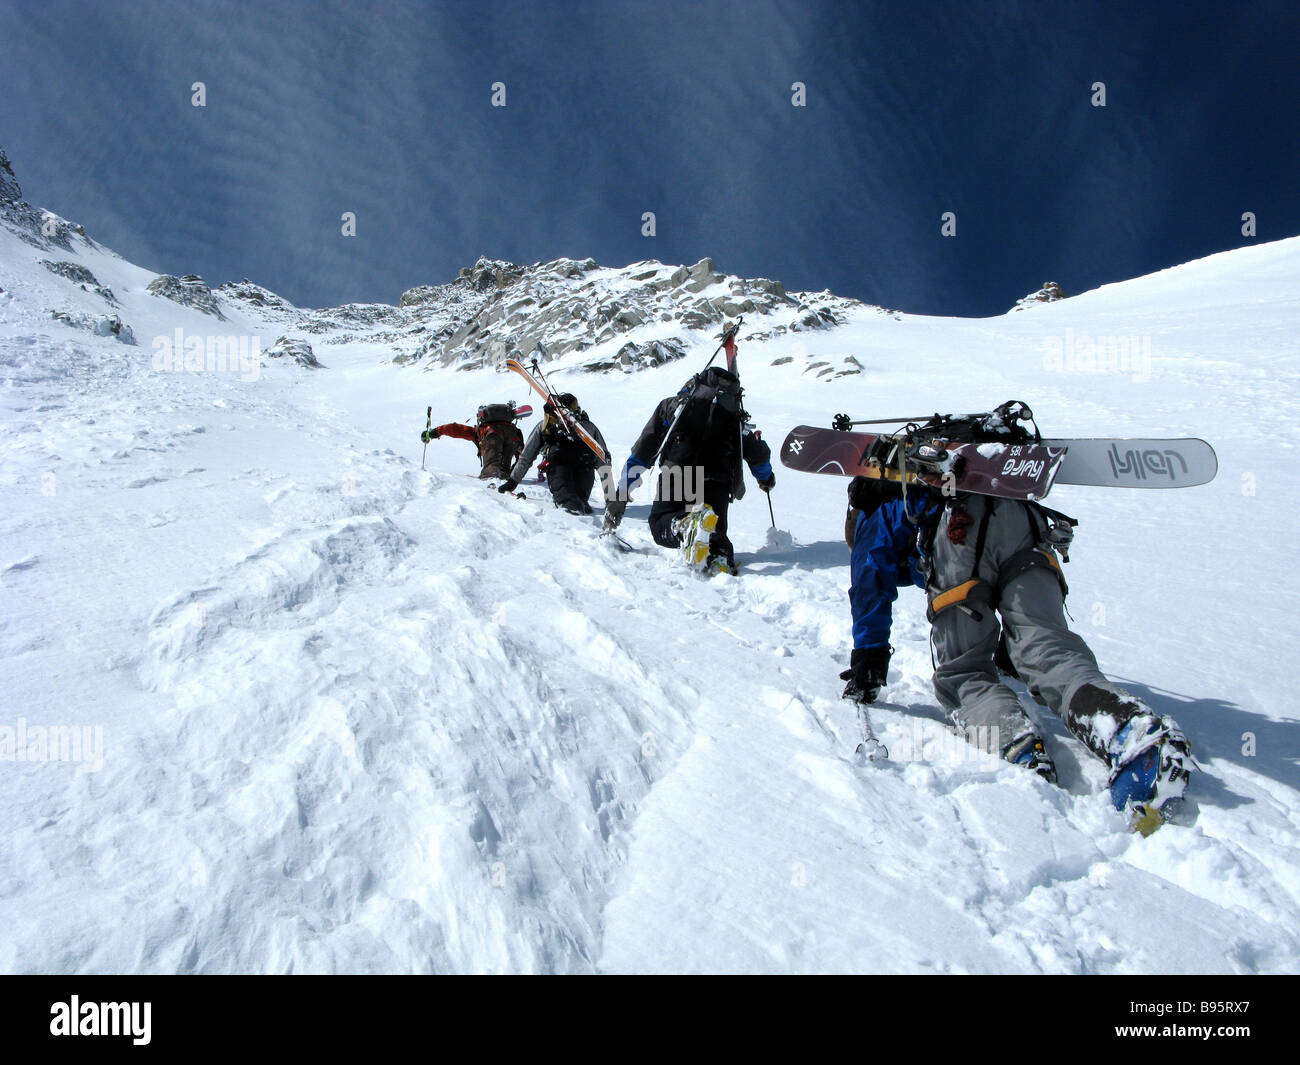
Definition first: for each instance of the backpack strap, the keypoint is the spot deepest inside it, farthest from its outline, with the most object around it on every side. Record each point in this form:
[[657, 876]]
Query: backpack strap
[[982, 535]]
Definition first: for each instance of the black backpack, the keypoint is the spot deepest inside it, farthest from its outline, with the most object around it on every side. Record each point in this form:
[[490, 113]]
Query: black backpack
[[496, 412], [1009, 423], [715, 409]]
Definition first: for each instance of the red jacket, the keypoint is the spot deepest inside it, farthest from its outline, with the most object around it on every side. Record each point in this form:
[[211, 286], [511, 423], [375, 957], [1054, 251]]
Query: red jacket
[[460, 432], [498, 444]]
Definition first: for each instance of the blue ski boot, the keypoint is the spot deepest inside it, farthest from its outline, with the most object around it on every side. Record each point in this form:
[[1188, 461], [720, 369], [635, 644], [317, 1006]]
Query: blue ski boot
[[1029, 752], [1151, 763]]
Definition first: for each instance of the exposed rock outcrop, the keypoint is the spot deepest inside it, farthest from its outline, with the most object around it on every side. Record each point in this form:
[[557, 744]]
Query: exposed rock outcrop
[[297, 350], [10, 192], [573, 306], [80, 276], [1049, 293], [189, 291], [105, 325]]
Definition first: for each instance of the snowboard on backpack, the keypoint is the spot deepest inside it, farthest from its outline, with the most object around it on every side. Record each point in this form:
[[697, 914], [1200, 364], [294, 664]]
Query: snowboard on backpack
[[1010, 471], [1014, 471], [1137, 463]]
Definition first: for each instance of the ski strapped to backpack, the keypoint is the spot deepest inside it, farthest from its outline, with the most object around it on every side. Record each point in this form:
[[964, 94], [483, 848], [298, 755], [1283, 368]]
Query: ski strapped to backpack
[[538, 384], [715, 380]]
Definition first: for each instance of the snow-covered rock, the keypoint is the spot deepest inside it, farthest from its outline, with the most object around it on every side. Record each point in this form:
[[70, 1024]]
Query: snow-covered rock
[[577, 308], [292, 348], [1049, 293], [41, 229], [254, 296], [640, 356], [10, 192], [80, 276], [189, 291], [104, 325]]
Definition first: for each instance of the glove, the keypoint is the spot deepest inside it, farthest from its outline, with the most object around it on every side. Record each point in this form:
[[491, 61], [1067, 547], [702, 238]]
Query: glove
[[429, 434], [866, 493], [614, 513], [507, 486], [769, 484], [867, 673]]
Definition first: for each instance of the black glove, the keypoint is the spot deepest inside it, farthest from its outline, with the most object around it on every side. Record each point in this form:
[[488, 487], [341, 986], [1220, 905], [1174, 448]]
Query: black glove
[[867, 673], [614, 513], [769, 484], [507, 486], [429, 434], [867, 493]]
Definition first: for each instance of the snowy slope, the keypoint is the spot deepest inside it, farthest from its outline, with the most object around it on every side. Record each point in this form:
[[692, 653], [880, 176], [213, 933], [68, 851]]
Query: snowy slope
[[360, 717]]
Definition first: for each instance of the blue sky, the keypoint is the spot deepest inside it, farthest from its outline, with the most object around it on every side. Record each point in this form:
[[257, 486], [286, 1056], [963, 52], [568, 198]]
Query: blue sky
[[683, 109]]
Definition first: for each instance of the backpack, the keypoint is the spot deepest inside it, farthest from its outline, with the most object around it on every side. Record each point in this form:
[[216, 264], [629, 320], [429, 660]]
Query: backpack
[[714, 412], [1005, 424], [496, 412]]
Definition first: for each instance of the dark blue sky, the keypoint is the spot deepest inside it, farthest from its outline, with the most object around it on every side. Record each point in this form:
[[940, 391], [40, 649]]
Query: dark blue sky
[[618, 108]]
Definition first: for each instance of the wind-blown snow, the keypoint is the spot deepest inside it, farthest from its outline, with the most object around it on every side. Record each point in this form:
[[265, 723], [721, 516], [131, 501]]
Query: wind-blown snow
[[360, 717]]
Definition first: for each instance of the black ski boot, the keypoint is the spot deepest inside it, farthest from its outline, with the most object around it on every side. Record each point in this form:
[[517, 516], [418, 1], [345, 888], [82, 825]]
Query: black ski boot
[[721, 558]]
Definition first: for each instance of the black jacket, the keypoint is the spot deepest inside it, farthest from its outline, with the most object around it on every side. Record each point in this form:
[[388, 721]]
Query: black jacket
[[549, 440], [697, 440]]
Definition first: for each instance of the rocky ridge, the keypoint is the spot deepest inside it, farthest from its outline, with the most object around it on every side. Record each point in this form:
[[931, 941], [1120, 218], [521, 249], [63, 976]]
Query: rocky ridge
[[595, 318]]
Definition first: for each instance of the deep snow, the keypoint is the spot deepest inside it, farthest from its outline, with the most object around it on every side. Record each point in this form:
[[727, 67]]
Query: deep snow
[[359, 717]]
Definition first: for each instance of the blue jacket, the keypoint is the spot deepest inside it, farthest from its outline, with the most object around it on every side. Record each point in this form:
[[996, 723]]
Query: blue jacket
[[885, 554]]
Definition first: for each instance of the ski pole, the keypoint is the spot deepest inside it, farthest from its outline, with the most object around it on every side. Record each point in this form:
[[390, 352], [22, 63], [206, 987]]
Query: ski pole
[[843, 422], [428, 424], [769, 508]]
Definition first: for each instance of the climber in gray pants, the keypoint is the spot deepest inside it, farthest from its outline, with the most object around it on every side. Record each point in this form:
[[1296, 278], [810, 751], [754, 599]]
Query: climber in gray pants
[[992, 556]]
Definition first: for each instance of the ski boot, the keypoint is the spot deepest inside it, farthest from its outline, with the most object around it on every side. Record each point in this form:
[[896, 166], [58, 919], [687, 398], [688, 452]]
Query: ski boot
[[722, 558], [1029, 752], [1151, 764], [715, 564], [695, 529]]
